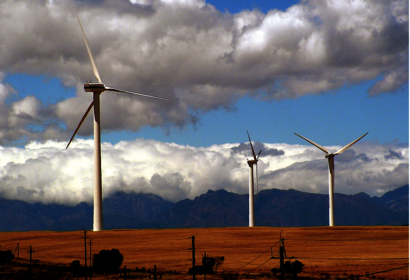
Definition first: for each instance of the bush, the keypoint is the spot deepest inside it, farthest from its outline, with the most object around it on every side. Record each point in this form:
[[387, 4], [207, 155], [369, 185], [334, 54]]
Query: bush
[[293, 268], [6, 256], [229, 276], [199, 270], [290, 268], [75, 266], [80, 271], [107, 261], [218, 262], [208, 264]]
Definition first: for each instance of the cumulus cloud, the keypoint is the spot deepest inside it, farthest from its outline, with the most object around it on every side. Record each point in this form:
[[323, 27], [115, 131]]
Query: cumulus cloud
[[370, 171], [47, 172], [25, 117], [200, 58]]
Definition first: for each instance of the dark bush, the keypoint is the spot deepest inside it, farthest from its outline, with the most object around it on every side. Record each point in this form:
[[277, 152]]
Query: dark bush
[[218, 262], [6, 256], [78, 270], [208, 264], [229, 276], [293, 268], [290, 268], [140, 270], [199, 270], [107, 261], [75, 266]]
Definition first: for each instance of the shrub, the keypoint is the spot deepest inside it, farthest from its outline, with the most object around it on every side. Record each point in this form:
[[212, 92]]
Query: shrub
[[107, 261], [218, 262], [229, 276], [6, 256], [208, 264], [75, 266], [290, 268], [293, 268]]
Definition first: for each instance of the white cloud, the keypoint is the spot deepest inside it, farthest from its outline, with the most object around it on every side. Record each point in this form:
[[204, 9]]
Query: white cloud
[[198, 57], [25, 117], [47, 172]]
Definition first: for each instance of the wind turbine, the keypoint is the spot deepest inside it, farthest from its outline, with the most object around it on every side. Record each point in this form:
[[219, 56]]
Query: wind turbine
[[251, 162], [330, 159], [97, 89]]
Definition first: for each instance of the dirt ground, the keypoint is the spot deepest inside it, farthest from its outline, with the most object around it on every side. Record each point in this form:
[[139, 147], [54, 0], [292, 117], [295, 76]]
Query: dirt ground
[[326, 252]]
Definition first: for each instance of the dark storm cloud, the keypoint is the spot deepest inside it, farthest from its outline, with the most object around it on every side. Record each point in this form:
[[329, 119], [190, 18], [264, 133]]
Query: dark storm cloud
[[393, 155], [350, 155], [198, 57], [245, 149]]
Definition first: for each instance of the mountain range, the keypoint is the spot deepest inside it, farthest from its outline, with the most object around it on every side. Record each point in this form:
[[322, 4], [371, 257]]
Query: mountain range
[[273, 207]]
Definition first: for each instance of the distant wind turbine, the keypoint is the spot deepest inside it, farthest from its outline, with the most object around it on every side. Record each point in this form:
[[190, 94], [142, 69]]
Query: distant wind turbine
[[97, 89], [251, 162], [330, 159]]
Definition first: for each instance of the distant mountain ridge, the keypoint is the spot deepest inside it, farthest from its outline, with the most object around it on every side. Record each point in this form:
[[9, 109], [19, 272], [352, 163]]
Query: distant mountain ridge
[[273, 207]]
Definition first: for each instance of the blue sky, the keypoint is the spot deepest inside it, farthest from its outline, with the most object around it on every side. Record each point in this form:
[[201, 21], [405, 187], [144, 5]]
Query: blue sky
[[328, 70]]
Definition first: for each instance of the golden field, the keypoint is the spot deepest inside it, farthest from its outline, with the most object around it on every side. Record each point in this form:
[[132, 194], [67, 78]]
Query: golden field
[[325, 252]]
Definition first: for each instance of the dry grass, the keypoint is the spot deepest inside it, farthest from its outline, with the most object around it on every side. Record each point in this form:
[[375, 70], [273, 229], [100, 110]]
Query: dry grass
[[337, 251]]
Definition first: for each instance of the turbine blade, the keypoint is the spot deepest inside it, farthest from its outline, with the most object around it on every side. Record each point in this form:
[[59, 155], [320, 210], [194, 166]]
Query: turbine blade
[[258, 154], [95, 70], [134, 93], [314, 144], [349, 145], [253, 152], [81, 122]]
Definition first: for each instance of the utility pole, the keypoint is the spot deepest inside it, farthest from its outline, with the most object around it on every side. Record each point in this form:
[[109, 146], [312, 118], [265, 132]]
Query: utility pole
[[29, 269], [204, 266], [155, 277], [125, 273], [85, 252], [91, 242], [17, 250], [281, 254], [193, 256]]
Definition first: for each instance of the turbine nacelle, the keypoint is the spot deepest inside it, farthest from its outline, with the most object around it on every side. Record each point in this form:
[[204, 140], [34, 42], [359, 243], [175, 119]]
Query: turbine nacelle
[[252, 161], [94, 87]]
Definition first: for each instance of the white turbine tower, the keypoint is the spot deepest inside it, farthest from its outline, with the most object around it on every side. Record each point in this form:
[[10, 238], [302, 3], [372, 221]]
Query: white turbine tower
[[251, 162], [97, 89], [330, 159]]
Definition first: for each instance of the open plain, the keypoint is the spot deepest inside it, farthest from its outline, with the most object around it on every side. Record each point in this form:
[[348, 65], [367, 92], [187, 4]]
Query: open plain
[[337, 252]]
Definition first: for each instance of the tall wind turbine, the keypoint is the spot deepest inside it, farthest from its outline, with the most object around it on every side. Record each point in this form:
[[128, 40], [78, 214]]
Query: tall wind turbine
[[330, 159], [97, 89], [251, 162]]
